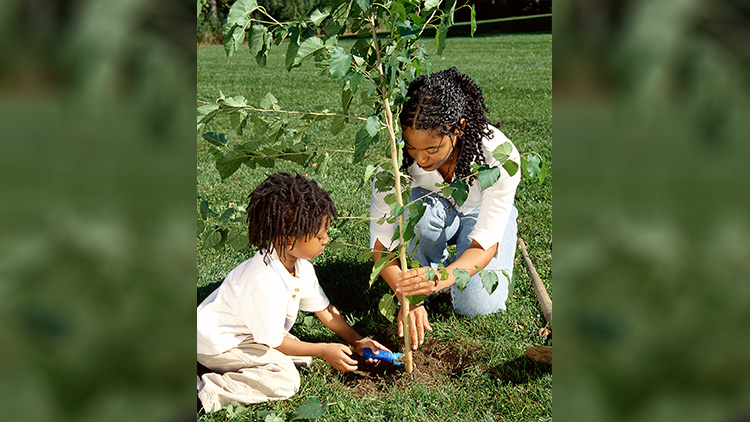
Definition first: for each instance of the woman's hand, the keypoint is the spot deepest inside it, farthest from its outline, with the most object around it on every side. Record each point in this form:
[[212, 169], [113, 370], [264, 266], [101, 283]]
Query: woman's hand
[[418, 282], [418, 322], [373, 345], [338, 356]]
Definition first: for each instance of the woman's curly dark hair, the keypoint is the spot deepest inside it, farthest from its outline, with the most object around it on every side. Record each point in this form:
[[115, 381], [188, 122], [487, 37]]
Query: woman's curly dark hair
[[284, 206], [438, 102]]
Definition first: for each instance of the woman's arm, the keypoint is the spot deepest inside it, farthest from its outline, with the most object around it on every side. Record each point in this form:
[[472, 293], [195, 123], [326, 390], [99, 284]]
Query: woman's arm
[[417, 282], [418, 320]]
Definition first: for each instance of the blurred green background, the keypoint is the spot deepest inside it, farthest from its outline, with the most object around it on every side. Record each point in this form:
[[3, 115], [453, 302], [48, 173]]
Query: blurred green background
[[97, 217], [651, 220], [97, 164]]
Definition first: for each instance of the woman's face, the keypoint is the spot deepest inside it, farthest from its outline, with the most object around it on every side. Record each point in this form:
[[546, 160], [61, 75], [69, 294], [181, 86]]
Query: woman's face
[[429, 149]]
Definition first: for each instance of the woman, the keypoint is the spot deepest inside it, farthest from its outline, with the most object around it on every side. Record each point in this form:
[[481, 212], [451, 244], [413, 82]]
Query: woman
[[445, 130]]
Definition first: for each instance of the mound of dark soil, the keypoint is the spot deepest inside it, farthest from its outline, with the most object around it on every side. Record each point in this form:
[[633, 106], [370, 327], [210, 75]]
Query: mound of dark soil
[[432, 362]]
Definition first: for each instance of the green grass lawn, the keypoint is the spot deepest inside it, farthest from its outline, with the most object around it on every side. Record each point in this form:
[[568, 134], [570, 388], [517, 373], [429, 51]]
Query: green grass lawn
[[499, 383]]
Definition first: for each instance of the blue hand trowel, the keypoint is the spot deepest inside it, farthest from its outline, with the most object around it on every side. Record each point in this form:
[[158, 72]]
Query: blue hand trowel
[[385, 356]]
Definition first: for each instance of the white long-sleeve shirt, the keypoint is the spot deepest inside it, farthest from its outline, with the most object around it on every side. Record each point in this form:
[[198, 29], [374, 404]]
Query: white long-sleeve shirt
[[495, 202]]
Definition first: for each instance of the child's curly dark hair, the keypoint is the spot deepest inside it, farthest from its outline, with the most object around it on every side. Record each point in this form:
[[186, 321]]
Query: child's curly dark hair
[[438, 103], [284, 206]]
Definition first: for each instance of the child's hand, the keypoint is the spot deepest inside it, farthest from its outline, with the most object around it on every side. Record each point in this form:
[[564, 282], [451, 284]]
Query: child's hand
[[367, 343], [338, 356]]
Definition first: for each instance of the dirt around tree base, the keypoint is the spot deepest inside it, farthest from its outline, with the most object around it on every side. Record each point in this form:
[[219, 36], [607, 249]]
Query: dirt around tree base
[[432, 362]]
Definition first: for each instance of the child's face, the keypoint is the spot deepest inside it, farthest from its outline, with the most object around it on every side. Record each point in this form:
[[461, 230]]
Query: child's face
[[429, 150], [313, 246]]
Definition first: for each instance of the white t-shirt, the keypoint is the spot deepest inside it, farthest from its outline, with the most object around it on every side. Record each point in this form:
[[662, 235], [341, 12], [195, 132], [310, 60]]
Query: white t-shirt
[[258, 298], [495, 202]]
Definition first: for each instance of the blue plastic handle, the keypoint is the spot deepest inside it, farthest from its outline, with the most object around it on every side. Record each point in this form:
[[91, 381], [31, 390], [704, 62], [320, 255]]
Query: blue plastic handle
[[384, 355]]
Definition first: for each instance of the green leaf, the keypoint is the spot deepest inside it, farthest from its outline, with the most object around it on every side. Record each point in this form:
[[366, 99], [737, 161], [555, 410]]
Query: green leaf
[[322, 167], [218, 139], [212, 240], [364, 5], [460, 191], [379, 265], [269, 102], [291, 54], [340, 63], [384, 181], [207, 108], [361, 143], [430, 273], [415, 300], [262, 56], [311, 409], [543, 172], [488, 176], [533, 165], [238, 240], [398, 209], [332, 26], [408, 31], [255, 38], [206, 210], [369, 170], [346, 99], [387, 307], [372, 126], [227, 214], [308, 320], [489, 280], [446, 189], [462, 278], [337, 124], [431, 4], [354, 82], [240, 11], [201, 227], [319, 16], [237, 22], [473, 20], [416, 211], [308, 47], [502, 152], [443, 273], [440, 38], [229, 163], [511, 167], [273, 417], [398, 12]]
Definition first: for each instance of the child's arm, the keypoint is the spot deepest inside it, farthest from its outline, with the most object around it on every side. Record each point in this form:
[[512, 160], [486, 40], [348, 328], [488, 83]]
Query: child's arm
[[334, 353], [331, 318]]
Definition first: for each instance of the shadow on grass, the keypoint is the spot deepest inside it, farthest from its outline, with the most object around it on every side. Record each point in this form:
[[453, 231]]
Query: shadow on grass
[[521, 370], [204, 291]]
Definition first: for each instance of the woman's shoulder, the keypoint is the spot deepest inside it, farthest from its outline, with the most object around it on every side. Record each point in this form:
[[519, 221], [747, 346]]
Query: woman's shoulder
[[496, 138]]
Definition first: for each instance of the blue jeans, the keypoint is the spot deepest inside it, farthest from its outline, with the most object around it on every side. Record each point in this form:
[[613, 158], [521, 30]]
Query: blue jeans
[[442, 225]]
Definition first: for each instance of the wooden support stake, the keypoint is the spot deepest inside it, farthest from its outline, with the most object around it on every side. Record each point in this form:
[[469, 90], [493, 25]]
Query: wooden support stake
[[536, 282]]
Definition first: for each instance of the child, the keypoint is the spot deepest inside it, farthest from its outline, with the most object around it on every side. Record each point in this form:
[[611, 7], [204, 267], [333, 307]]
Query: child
[[243, 326], [445, 130]]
